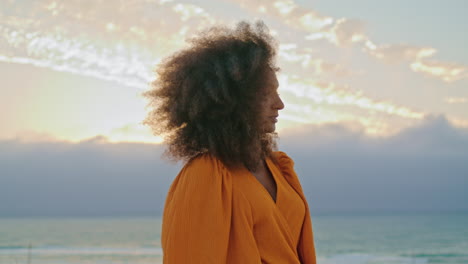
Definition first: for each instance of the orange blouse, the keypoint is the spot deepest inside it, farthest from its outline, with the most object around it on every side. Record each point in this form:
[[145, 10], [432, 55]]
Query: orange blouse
[[216, 215]]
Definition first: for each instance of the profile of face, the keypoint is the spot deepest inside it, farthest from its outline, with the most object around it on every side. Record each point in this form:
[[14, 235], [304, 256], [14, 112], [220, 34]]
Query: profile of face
[[271, 102]]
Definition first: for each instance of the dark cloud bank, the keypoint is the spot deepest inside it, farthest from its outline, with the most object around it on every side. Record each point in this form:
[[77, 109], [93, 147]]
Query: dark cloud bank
[[424, 168]]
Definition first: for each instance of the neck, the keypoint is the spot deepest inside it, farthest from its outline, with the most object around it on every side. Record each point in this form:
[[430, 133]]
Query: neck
[[261, 166]]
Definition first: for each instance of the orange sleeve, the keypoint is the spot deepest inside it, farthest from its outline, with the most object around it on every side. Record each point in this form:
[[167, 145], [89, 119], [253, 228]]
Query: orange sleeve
[[197, 214]]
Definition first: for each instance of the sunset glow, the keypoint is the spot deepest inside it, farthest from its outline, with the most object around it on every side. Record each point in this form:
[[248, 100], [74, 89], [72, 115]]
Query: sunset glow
[[89, 63]]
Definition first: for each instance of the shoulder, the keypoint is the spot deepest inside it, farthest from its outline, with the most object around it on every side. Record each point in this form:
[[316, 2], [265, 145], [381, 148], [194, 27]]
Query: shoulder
[[201, 176], [285, 164], [204, 162], [283, 160], [204, 167]]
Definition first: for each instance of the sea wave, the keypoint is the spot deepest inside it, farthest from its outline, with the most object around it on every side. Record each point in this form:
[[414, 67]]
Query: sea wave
[[16, 250], [12, 247], [362, 258], [445, 255]]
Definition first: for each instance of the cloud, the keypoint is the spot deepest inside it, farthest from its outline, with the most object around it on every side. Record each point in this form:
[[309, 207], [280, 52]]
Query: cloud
[[347, 31], [341, 32], [188, 11], [339, 70], [124, 36], [448, 72], [93, 177], [293, 15], [122, 42], [133, 132], [398, 53], [456, 100], [289, 52], [104, 40], [333, 94], [433, 134], [344, 32], [340, 167], [26, 136], [418, 59]]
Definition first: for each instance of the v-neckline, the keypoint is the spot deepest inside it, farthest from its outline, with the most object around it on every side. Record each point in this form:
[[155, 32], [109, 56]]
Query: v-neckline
[[275, 201]]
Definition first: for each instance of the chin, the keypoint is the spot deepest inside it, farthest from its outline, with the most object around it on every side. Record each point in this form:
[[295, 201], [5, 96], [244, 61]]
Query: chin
[[270, 129]]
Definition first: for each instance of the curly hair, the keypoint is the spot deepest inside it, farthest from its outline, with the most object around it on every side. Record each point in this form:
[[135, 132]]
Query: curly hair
[[207, 97]]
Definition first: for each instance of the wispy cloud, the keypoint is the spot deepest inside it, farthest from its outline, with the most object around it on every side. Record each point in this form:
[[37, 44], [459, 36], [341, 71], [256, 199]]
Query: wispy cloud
[[343, 33], [420, 61], [328, 102], [456, 100], [133, 132], [398, 53], [446, 71], [331, 93], [122, 42], [293, 15], [190, 11], [119, 42]]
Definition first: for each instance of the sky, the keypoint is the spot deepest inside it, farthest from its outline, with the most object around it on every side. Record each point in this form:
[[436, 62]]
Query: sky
[[375, 93]]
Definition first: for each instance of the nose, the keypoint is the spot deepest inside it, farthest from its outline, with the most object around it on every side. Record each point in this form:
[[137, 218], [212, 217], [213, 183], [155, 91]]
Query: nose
[[279, 103]]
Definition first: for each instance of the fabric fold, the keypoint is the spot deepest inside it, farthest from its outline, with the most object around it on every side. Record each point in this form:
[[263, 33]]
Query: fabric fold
[[306, 246], [197, 214]]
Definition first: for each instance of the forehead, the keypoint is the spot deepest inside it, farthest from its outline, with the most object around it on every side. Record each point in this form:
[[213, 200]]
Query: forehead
[[270, 79]]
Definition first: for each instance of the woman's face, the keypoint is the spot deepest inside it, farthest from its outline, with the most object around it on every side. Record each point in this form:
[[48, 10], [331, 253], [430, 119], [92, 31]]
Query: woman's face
[[271, 102]]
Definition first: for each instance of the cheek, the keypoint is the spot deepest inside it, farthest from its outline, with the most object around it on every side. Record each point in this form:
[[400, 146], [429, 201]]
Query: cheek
[[270, 101], [266, 107], [263, 113]]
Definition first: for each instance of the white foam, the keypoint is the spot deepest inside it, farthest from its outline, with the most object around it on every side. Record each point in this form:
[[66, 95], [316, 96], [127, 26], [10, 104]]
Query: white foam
[[58, 251], [361, 258]]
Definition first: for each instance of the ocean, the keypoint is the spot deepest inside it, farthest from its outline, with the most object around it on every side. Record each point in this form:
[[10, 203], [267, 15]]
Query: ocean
[[350, 238]]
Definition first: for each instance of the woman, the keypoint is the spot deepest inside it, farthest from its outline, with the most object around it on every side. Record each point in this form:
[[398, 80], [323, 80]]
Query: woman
[[236, 200]]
